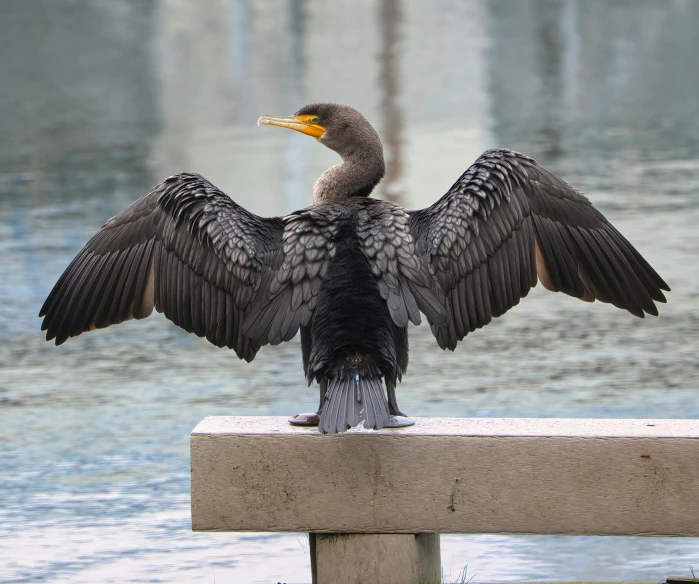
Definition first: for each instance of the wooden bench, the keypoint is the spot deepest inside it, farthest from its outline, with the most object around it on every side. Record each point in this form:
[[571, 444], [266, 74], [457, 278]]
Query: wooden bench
[[374, 503]]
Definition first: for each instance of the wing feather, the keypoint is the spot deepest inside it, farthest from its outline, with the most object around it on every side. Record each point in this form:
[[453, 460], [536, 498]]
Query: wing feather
[[210, 266], [507, 223]]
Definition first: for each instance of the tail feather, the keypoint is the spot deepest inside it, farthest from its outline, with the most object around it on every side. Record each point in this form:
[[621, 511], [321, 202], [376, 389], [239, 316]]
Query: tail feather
[[352, 398]]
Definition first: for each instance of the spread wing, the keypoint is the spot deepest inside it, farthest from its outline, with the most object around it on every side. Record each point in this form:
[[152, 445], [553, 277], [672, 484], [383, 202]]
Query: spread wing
[[189, 251], [508, 222]]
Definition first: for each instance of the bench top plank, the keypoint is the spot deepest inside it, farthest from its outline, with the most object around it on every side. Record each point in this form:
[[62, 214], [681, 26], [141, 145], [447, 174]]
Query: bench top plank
[[570, 427], [449, 475]]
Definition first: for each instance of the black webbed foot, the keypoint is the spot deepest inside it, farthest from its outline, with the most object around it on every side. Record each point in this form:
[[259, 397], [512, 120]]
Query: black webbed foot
[[313, 419], [305, 419], [399, 422], [398, 418]]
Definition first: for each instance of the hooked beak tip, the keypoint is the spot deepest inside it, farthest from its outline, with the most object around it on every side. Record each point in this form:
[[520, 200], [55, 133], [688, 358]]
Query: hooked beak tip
[[293, 123]]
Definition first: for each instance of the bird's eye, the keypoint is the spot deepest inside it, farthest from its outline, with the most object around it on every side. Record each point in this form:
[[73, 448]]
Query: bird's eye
[[315, 120]]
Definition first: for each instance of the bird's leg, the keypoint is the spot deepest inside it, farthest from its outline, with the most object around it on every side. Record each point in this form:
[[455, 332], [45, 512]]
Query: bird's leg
[[398, 418], [323, 390], [307, 419], [392, 403]]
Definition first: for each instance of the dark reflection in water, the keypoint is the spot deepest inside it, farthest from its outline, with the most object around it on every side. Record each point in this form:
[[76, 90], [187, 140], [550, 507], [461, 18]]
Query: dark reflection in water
[[100, 100], [615, 75], [549, 55], [390, 18]]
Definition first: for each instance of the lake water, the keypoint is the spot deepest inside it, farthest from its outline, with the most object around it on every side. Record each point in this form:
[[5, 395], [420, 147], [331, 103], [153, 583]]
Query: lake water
[[100, 100]]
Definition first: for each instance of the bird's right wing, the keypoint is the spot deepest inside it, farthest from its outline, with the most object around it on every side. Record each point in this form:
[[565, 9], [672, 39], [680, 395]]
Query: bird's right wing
[[209, 265], [508, 222]]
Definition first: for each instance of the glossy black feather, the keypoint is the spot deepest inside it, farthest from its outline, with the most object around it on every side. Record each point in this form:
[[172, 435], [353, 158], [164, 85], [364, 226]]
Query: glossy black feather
[[203, 250], [485, 232], [350, 272]]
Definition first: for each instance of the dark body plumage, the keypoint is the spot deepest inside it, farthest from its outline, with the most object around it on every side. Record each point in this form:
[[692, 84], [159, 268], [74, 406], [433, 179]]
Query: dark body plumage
[[350, 272], [352, 337]]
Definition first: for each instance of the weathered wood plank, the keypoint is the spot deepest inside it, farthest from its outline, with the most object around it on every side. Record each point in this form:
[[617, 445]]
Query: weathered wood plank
[[543, 476]]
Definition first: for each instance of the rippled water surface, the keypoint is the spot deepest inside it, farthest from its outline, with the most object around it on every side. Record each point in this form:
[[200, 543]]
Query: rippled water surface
[[100, 100]]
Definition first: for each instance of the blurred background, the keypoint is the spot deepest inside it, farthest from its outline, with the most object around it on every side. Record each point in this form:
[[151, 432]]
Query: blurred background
[[101, 100]]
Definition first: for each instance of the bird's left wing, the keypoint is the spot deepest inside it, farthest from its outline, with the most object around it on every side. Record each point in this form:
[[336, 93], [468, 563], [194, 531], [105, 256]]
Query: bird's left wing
[[508, 222], [211, 266]]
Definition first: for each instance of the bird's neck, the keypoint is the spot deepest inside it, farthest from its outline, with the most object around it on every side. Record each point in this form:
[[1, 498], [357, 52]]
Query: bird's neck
[[356, 176]]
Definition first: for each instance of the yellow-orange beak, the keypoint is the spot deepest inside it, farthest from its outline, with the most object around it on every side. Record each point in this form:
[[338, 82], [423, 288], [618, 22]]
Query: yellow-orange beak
[[301, 124]]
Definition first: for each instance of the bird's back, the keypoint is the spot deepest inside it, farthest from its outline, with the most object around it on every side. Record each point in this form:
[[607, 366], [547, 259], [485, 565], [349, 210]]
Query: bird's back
[[350, 316]]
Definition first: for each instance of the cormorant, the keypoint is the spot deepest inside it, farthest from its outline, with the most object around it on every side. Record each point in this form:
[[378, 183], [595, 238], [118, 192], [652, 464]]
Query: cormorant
[[349, 271]]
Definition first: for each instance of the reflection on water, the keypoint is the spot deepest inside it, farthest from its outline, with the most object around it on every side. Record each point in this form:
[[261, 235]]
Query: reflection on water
[[390, 18], [103, 99]]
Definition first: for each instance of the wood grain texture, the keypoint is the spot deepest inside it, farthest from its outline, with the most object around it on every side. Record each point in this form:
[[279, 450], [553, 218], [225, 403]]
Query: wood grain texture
[[540, 476]]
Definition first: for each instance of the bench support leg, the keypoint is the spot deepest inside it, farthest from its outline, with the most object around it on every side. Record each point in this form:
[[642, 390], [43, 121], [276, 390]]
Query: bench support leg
[[350, 558]]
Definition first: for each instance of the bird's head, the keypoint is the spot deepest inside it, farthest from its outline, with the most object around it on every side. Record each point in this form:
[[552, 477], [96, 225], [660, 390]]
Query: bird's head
[[339, 127]]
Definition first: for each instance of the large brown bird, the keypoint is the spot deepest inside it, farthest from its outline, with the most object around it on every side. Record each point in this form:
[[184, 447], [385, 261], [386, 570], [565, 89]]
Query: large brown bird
[[350, 271]]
